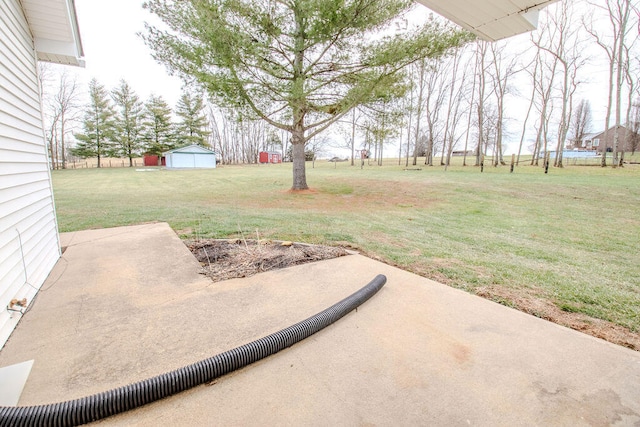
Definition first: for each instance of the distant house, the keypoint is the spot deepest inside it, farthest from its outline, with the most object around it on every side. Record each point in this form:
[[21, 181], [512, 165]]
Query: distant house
[[190, 157], [462, 153], [587, 141], [596, 141], [30, 30]]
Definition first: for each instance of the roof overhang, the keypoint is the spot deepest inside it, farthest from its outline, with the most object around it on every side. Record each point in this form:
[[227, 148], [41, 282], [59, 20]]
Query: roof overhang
[[55, 31], [491, 20], [190, 149]]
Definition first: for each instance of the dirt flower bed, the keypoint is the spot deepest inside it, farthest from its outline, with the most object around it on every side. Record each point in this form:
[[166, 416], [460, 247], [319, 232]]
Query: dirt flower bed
[[546, 309], [228, 259]]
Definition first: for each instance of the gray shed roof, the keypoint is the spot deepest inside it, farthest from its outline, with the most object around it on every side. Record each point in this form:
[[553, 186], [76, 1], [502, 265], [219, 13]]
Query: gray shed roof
[[190, 149]]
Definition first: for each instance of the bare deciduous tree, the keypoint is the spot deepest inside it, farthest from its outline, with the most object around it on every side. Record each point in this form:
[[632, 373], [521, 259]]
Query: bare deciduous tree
[[481, 70], [634, 127], [531, 103], [619, 13], [239, 138], [61, 111], [504, 67], [456, 98], [580, 123], [543, 79], [428, 96], [562, 43], [421, 72], [470, 113]]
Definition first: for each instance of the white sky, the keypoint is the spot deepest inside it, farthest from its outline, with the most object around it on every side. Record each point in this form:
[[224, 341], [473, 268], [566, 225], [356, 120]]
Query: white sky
[[113, 51]]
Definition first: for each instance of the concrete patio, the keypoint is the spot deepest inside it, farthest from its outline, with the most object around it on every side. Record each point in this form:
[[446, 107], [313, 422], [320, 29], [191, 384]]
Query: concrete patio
[[127, 303]]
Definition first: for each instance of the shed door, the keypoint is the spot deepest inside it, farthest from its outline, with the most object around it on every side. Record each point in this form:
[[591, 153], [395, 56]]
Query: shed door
[[183, 160], [205, 160]]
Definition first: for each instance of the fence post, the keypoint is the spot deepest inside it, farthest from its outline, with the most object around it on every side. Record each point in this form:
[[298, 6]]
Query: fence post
[[547, 160], [513, 162]]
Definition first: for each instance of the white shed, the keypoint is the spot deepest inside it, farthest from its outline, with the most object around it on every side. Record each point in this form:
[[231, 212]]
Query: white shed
[[189, 157], [30, 30]]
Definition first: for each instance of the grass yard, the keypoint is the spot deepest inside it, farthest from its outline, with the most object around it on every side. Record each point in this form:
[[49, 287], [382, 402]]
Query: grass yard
[[563, 246]]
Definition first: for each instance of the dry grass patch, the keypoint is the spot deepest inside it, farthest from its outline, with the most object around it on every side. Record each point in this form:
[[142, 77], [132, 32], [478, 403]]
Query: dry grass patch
[[358, 195]]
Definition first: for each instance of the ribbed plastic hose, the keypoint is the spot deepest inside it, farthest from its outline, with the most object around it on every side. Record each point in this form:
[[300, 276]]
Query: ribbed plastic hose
[[121, 399]]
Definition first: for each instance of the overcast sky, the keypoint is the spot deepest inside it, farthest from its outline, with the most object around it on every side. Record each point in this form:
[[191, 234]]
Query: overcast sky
[[114, 51]]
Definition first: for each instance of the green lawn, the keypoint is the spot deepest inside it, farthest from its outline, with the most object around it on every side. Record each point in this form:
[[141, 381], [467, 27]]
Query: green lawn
[[571, 237]]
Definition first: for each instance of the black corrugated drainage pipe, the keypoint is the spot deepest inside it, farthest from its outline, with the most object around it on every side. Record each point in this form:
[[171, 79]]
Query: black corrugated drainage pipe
[[121, 399]]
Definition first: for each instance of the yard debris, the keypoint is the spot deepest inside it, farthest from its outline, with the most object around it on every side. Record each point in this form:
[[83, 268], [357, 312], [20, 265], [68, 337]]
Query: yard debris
[[228, 259], [20, 303]]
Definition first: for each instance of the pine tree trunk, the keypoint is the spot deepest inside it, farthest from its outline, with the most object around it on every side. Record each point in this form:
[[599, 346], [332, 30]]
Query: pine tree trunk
[[299, 172]]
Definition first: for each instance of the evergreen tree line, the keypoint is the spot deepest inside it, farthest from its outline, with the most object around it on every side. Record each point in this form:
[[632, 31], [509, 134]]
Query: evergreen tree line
[[117, 123]]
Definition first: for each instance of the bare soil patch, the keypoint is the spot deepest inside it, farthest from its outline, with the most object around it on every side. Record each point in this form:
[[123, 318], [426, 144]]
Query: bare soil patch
[[540, 306], [385, 194], [546, 309], [228, 259]]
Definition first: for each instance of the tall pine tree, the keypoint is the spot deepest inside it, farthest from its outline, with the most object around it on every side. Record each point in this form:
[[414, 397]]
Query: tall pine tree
[[193, 125], [300, 65], [129, 122], [158, 128], [98, 125]]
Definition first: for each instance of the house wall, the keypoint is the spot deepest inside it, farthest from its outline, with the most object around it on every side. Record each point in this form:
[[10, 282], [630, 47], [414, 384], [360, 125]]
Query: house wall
[[624, 142], [29, 245]]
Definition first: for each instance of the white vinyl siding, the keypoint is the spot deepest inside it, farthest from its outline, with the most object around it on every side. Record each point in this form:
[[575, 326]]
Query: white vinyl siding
[[29, 246]]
